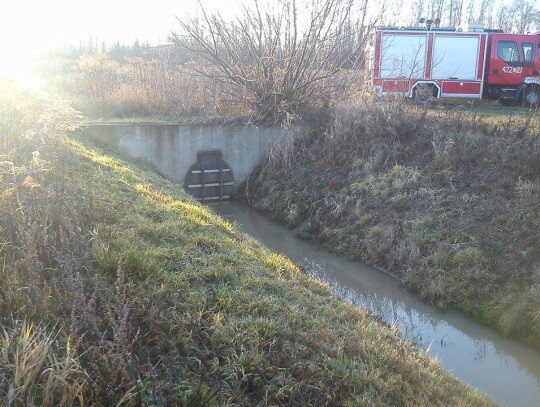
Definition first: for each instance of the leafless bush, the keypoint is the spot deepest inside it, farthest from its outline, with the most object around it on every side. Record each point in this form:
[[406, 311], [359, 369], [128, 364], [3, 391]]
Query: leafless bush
[[283, 60]]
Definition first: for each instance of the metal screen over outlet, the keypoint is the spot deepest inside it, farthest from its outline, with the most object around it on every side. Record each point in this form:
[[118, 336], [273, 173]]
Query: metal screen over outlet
[[210, 178]]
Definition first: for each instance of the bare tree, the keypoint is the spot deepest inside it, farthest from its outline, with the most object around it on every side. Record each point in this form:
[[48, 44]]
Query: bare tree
[[481, 16], [504, 19], [418, 10], [520, 16], [438, 9], [432, 9], [280, 58], [455, 12], [489, 16], [354, 33], [364, 30], [526, 15], [469, 11]]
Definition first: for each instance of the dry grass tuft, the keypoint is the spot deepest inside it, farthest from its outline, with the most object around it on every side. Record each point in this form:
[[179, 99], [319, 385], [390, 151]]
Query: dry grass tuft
[[32, 372]]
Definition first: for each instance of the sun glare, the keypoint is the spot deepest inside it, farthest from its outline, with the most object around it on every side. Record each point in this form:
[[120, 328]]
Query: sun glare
[[22, 38], [30, 28], [21, 72]]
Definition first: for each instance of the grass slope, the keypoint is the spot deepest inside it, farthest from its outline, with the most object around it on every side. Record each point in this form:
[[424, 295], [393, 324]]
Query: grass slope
[[448, 201], [118, 289]]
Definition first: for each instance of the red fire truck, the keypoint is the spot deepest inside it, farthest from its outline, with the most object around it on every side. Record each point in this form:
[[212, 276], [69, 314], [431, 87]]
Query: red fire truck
[[424, 64]]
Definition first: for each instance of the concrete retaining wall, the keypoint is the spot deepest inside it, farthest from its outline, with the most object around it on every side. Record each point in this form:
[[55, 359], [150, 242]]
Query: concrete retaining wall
[[172, 149]]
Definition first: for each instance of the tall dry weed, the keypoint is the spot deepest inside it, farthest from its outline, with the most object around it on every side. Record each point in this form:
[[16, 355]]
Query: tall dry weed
[[46, 248], [36, 370]]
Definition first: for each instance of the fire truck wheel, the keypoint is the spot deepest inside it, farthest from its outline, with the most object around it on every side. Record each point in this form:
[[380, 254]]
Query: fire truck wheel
[[531, 96], [423, 94]]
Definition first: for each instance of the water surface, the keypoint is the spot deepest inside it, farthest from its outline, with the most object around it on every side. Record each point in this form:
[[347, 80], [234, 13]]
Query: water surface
[[505, 369]]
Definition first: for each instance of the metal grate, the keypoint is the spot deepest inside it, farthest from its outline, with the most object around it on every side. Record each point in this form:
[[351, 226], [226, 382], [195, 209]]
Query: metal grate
[[210, 178]]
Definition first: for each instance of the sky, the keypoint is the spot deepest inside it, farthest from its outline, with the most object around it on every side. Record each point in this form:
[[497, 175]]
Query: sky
[[41, 24], [28, 27]]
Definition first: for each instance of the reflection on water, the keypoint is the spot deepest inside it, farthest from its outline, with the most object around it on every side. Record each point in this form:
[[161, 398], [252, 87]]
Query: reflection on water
[[506, 370]]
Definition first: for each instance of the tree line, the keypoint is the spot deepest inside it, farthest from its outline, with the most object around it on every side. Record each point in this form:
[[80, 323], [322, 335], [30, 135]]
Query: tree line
[[278, 62], [517, 16]]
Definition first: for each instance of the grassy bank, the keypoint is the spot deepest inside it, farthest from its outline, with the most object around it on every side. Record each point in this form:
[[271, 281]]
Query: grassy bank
[[447, 199], [118, 289]]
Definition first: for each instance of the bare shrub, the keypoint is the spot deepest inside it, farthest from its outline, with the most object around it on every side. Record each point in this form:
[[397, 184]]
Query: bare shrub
[[283, 64]]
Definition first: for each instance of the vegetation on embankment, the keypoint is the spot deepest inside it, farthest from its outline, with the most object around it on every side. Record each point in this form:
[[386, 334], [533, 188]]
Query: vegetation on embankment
[[145, 83], [447, 200], [118, 289]]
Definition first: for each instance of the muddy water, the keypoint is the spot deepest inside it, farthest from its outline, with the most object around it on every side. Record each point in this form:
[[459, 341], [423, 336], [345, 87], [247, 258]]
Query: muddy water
[[504, 369]]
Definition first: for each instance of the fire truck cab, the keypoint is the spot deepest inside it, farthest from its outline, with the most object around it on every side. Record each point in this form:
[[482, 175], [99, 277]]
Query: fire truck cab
[[473, 63], [513, 69]]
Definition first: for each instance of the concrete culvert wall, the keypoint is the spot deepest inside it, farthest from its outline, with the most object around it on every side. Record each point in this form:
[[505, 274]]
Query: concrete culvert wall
[[173, 150]]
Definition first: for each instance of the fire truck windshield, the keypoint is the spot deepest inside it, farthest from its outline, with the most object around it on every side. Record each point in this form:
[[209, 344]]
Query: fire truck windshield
[[508, 51]]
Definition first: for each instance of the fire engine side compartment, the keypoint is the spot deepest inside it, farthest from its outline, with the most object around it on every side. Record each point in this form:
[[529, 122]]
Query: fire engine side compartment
[[458, 63], [400, 58], [452, 62]]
